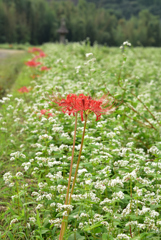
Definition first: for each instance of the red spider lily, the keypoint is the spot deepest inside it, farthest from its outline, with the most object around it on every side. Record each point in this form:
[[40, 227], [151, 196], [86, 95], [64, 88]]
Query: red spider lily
[[34, 50], [46, 113], [84, 105], [42, 54], [32, 63], [44, 68], [34, 76], [67, 105], [24, 90]]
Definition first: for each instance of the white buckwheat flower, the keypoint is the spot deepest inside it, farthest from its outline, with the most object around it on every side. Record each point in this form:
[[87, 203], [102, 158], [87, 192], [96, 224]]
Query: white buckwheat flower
[[123, 236], [13, 221]]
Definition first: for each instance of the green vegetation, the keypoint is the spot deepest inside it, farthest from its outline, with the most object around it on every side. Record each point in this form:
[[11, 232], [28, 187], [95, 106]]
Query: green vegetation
[[15, 46], [108, 22], [10, 67], [127, 8], [117, 194]]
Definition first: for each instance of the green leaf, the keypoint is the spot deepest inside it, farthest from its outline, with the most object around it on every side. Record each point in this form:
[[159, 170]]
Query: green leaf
[[106, 236], [11, 237], [46, 222], [21, 233], [92, 227], [38, 219], [44, 231], [76, 236], [28, 203], [4, 203], [97, 230], [53, 231]]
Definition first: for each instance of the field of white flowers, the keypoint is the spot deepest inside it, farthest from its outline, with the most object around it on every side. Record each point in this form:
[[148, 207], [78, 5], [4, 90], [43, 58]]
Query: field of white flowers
[[118, 189]]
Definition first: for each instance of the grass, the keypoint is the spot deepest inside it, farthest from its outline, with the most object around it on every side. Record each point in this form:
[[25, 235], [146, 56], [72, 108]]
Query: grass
[[15, 46], [10, 68], [117, 194], [12, 78]]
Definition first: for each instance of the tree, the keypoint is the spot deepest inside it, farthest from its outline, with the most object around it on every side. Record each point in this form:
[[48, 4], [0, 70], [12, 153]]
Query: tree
[[2, 22]]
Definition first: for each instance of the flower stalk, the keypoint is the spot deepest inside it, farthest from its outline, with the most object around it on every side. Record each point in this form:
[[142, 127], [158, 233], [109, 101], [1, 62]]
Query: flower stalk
[[63, 226], [71, 165], [65, 218], [84, 105], [79, 157]]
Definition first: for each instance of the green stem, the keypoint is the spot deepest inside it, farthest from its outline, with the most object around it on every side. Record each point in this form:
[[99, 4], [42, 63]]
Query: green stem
[[130, 205], [64, 223], [69, 180], [80, 152], [71, 165], [18, 201]]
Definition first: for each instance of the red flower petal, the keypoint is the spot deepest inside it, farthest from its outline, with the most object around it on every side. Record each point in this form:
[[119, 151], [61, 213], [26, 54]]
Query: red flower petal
[[84, 104]]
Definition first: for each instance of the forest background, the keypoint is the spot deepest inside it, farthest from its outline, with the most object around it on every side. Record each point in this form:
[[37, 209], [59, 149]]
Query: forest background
[[108, 22]]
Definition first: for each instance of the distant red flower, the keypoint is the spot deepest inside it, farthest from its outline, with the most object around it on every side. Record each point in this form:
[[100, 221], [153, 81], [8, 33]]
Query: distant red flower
[[42, 54], [34, 50], [44, 68], [84, 105], [46, 113], [24, 90], [34, 76], [32, 63]]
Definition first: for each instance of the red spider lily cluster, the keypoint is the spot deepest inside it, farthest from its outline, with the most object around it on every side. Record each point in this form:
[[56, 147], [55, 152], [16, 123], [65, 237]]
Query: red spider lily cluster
[[34, 50], [44, 68], [84, 105], [32, 63], [46, 113], [39, 54], [24, 90]]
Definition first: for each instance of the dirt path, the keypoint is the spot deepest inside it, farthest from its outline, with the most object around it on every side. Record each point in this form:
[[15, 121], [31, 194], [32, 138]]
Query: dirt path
[[4, 53]]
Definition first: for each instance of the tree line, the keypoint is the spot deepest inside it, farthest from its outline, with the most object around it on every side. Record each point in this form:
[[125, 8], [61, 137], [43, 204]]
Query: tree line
[[37, 22], [127, 8]]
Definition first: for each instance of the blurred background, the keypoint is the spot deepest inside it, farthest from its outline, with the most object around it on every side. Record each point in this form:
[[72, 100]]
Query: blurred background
[[107, 22]]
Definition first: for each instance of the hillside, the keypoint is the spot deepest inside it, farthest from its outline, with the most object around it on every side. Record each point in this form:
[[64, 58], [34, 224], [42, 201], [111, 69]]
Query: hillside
[[127, 8]]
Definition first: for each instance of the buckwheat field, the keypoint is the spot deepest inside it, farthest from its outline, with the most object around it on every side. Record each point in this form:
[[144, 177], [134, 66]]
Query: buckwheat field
[[99, 109]]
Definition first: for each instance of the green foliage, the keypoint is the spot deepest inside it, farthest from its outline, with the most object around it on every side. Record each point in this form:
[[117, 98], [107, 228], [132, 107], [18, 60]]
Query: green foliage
[[106, 22], [26, 21], [127, 8], [117, 194], [10, 67]]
